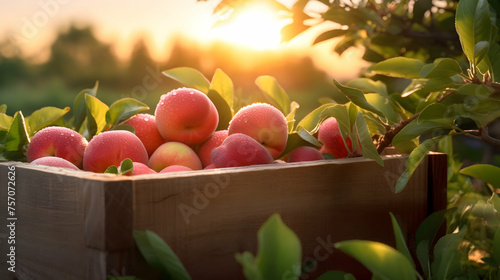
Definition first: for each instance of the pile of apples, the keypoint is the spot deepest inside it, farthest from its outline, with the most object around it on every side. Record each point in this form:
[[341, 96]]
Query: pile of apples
[[182, 136]]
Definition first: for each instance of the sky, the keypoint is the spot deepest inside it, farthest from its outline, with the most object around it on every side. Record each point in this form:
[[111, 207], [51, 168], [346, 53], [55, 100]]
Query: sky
[[34, 24]]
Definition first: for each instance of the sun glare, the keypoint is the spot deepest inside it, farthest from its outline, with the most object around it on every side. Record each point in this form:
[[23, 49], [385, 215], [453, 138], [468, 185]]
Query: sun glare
[[256, 27]]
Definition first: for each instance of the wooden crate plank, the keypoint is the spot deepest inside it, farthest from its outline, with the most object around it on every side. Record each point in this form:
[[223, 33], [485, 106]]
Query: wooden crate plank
[[322, 202]]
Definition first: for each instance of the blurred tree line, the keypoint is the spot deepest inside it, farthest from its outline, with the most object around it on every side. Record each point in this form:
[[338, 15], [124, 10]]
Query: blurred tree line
[[78, 59]]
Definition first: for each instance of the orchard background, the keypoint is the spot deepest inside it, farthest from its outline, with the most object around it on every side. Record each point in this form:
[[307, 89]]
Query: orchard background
[[421, 75]]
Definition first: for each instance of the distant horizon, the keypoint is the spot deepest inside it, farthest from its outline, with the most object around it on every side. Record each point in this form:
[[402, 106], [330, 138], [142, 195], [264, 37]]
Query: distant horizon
[[34, 26]]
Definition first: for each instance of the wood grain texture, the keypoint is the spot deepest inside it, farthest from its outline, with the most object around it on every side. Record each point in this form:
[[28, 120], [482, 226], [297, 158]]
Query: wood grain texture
[[79, 225], [209, 217]]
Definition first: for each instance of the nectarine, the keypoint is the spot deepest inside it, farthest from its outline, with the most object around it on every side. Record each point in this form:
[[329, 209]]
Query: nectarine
[[240, 150], [329, 135], [146, 129], [174, 153], [57, 141], [264, 123], [186, 115], [111, 148]]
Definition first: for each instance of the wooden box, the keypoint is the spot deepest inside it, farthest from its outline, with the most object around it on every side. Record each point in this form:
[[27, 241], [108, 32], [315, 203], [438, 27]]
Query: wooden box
[[79, 225]]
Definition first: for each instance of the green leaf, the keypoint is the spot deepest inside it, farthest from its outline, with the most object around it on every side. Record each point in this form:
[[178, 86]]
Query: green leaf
[[126, 127], [382, 260], [422, 87], [330, 34], [341, 114], [357, 97], [297, 139], [437, 113], [473, 25], [221, 93], [368, 148], [386, 105], [312, 120], [16, 138], [189, 77], [447, 256], [123, 109], [112, 170], [223, 85], [159, 255], [368, 86], [486, 172], [280, 251], [96, 115], [424, 237], [400, 240], [415, 129], [441, 68], [3, 108], [80, 106], [270, 86], [250, 269], [400, 67], [44, 117], [126, 166], [482, 111], [5, 121], [480, 50], [290, 118], [479, 91], [336, 275], [416, 156]]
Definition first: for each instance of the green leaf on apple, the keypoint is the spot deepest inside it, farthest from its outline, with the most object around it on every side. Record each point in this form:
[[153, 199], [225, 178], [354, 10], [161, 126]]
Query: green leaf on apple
[[123, 109], [122, 126], [273, 89], [311, 121], [96, 115], [416, 156], [382, 260], [189, 77], [112, 170], [44, 117], [290, 118], [367, 147], [223, 85], [16, 138], [221, 93], [486, 172], [159, 255], [126, 166], [297, 139], [80, 106]]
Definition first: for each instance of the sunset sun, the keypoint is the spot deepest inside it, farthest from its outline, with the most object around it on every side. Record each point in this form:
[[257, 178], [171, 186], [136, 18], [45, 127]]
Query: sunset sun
[[257, 26]]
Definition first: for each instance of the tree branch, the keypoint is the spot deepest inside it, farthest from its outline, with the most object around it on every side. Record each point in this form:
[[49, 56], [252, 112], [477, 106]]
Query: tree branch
[[487, 138]]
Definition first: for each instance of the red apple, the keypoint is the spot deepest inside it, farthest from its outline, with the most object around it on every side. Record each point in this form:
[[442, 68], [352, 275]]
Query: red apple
[[304, 153], [175, 168], [240, 150], [111, 148], [146, 129], [174, 153], [54, 161], [57, 141], [204, 150], [329, 135], [186, 115], [138, 169], [264, 123]]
